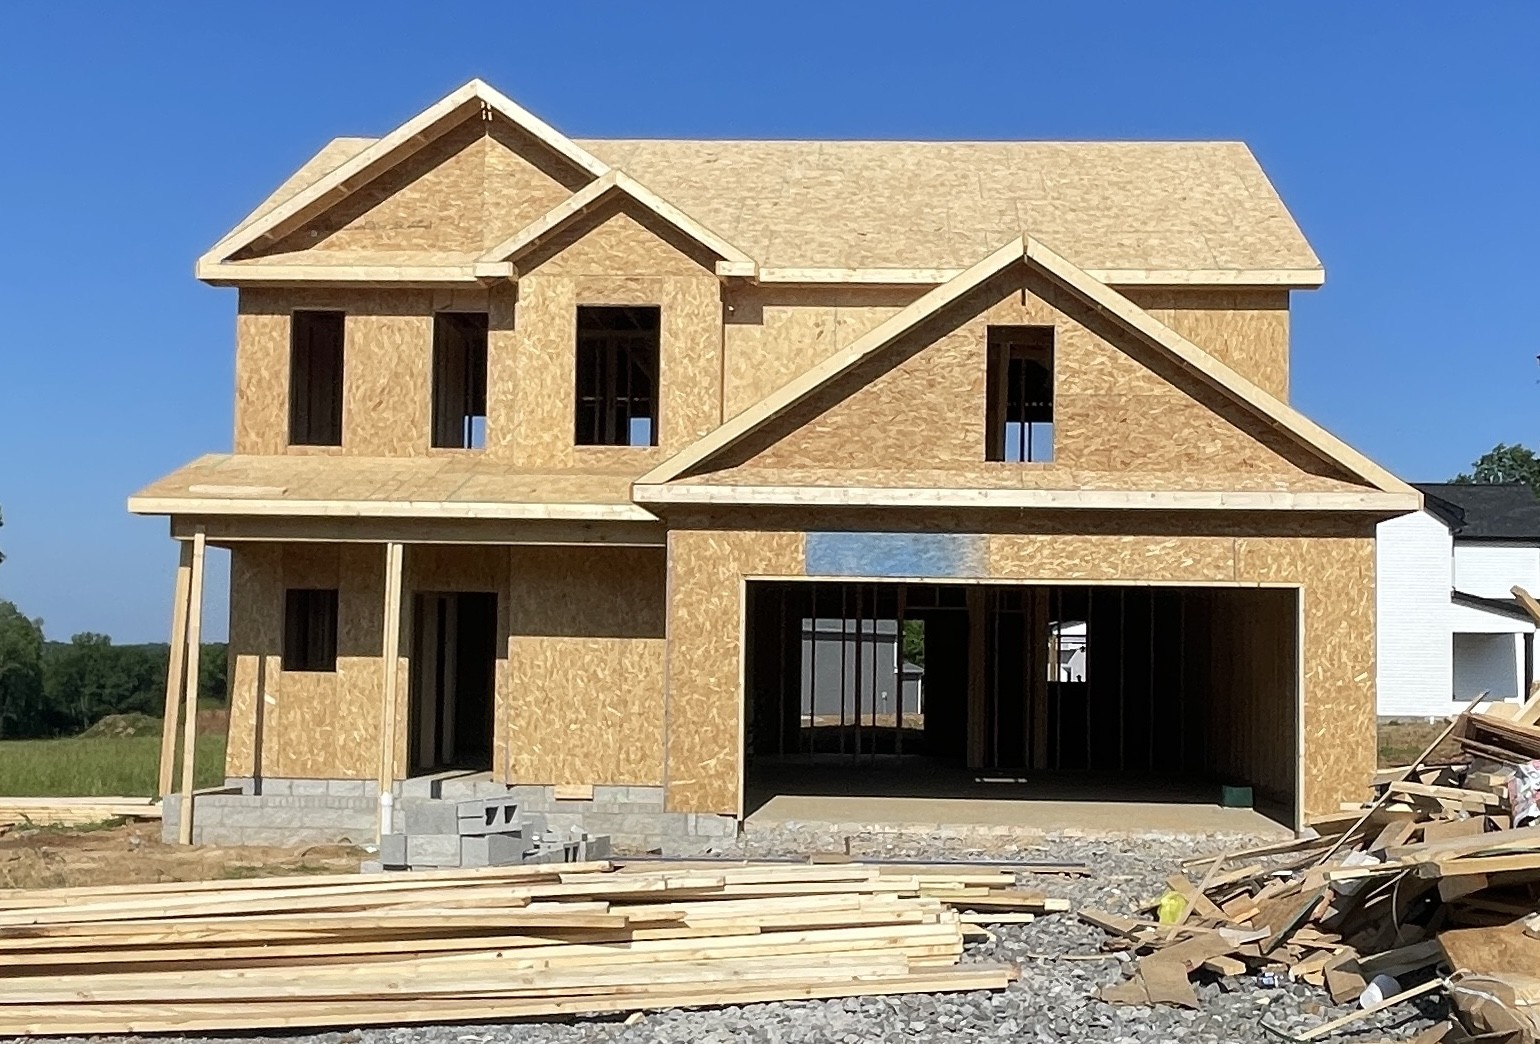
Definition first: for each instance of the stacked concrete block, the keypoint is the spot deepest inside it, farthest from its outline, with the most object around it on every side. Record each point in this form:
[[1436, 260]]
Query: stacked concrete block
[[436, 833]]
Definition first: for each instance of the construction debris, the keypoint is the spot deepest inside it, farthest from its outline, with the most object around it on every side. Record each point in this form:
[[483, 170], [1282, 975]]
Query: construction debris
[[440, 835], [74, 811], [1429, 885], [438, 946]]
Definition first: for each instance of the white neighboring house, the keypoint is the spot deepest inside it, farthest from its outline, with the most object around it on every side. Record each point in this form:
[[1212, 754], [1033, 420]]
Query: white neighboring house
[[1449, 628]]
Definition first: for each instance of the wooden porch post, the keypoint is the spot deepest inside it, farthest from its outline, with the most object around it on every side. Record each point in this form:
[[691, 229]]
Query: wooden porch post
[[176, 658], [390, 655], [190, 682]]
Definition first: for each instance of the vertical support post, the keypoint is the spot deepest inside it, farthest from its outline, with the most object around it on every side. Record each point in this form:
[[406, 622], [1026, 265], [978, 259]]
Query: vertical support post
[[390, 654], [976, 678], [901, 597], [176, 662], [1044, 650], [190, 683]]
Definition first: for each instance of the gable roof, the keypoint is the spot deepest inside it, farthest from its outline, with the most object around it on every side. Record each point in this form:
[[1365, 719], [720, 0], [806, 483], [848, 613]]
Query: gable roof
[[1163, 213], [385, 153], [1485, 510], [1038, 258], [614, 183]]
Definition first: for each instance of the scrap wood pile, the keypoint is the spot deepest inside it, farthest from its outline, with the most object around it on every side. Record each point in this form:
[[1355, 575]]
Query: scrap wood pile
[[74, 811], [499, 943], [1429, 883]]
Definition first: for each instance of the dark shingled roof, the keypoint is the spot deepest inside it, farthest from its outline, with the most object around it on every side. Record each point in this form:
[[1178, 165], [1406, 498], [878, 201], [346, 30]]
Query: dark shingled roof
[[1485, 510]]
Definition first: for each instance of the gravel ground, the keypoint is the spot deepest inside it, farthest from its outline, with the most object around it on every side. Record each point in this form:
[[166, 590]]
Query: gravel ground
[[1054, 999]]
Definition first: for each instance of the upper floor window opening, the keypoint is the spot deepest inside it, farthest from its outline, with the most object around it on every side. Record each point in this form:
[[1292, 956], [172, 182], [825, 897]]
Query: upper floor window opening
[[460, 380], [617, 375], [315, 378], [310, 629], [1019, 390]]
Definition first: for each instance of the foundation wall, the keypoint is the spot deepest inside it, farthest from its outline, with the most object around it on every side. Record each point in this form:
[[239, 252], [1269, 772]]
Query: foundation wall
[[1332, 563]]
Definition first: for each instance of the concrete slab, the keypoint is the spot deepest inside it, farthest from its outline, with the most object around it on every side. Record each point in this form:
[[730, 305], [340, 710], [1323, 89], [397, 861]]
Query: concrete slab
[[885, 814]]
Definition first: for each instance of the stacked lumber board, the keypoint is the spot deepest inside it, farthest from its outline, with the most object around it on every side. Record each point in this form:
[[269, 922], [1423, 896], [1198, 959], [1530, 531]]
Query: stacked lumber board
[[1413, 885], [499, 943], [73, 811]]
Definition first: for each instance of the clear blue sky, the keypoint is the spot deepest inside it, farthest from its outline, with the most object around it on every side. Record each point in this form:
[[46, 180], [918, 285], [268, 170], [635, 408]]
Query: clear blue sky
[[1405, 137]]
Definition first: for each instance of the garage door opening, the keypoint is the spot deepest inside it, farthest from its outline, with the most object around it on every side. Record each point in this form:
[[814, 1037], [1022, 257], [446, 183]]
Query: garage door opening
[[1024, 692]]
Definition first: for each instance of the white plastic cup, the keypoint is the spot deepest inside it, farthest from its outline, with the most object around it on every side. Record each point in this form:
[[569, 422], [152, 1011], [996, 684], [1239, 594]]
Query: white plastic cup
[[1380, 987]]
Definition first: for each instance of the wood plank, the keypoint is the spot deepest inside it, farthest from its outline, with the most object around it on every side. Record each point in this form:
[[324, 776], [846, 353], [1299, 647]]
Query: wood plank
[[176, 659], [194, 638]]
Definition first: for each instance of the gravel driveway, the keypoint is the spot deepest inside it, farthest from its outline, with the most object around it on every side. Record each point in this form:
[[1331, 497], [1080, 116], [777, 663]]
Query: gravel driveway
[[1053, 1001]]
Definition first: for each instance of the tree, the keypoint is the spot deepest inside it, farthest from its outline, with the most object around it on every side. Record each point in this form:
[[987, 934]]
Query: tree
[[2, 553], [1505, 463], [90, 678], [22, 704]]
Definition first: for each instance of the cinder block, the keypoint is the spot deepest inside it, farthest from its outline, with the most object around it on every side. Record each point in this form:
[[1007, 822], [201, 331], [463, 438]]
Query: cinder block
[[430, 817], [433, 849], [594, 847], [354, 788], [492, 850], [371, 866], [487, 816], [393, 849], [308, 787]]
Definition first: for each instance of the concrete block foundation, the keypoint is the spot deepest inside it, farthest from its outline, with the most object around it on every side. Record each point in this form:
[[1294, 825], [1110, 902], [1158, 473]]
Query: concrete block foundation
[[322, 811]]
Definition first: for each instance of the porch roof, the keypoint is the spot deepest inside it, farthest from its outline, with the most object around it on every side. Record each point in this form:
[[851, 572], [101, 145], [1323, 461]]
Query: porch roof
[[333, 485]]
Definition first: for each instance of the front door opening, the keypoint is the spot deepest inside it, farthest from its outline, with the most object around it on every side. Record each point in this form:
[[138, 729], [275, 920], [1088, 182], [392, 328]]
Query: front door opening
[[454, 652], [1076, 692]]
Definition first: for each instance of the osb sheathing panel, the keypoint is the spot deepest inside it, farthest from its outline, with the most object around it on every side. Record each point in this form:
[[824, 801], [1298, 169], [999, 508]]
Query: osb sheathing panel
[[1120, 407], [772, 334], [317, 725], [705, 621], [1246, 329], [1331, 562], [387, 367], [463, 192], [617, 261], [584, 697]]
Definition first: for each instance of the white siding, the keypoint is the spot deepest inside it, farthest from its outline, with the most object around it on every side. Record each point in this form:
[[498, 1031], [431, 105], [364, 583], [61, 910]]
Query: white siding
[[1491, 570], [1415, 655], [1490, 663]]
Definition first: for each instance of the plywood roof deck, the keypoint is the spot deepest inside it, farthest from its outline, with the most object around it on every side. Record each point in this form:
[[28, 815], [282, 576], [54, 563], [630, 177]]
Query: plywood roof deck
[[325, 484], [1128, 212]]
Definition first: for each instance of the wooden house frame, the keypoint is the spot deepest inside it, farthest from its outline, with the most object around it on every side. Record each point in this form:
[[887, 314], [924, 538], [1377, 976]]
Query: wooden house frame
[[812, 435]]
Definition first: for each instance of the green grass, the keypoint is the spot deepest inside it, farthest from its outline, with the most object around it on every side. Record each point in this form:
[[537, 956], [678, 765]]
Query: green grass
[[126, 766]]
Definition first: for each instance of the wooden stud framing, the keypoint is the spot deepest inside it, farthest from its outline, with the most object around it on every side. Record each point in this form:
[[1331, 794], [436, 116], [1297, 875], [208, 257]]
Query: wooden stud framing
[[390, 654], [176, 661], [194, 635]]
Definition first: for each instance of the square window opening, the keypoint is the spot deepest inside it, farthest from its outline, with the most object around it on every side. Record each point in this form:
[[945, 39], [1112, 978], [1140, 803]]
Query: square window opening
[[310, 629], [617, 375], [459, 380], [315, 378], [1019, 390]]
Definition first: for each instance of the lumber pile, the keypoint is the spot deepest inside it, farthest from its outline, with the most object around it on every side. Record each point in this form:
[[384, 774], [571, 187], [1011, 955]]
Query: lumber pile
[[1428, 883], [494, 943], [73, 811]]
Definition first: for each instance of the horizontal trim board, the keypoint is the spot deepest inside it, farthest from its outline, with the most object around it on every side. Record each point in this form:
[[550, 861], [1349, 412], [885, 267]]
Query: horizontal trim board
[[221, 274], [1017, 581], [387, 509], [222, 529], [1287, 277], [1084, 499]]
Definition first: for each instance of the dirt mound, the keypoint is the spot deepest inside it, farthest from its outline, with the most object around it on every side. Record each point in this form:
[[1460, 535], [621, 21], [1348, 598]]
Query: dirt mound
[[124, 725]]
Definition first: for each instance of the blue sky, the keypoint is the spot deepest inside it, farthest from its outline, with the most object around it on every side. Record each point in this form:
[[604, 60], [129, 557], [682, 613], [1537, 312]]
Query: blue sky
[[1404, 137]]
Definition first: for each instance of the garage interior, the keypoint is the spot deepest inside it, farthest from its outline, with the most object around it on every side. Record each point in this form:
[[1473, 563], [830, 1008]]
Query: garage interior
[[1081, 692]]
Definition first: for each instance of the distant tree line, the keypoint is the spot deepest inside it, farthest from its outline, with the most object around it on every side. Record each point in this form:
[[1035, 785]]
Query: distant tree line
[[1505, 463], [62, 688]]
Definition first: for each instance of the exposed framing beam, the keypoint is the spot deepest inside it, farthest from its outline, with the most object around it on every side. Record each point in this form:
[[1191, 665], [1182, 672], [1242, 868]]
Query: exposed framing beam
[[176, 662], [1294, 278], [194, 637]]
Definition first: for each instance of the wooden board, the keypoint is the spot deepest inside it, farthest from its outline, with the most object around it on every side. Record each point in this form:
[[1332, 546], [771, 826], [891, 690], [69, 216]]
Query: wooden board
[[1247, 329]]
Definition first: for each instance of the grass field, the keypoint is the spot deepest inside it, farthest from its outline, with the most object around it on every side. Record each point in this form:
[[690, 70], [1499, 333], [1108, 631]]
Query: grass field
[[88, 766]]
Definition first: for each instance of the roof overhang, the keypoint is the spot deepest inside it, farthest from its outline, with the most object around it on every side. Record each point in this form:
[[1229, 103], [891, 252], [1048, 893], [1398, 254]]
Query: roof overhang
[[245, 273], [272, 506], [1367, 501], [1278, 278]]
